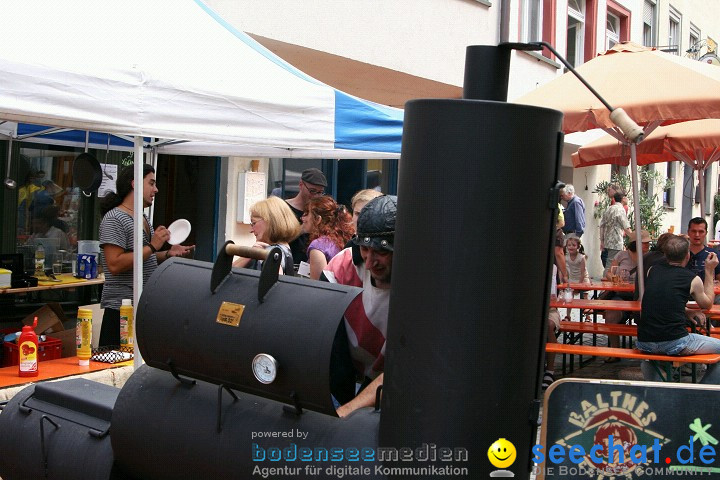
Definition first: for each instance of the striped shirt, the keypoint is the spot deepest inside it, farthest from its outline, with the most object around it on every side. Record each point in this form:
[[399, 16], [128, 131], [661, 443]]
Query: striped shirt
[[366, 318], [117, 228]]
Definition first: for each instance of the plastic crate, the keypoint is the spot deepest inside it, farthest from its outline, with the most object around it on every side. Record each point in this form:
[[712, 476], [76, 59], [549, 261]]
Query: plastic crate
[[50, 349]]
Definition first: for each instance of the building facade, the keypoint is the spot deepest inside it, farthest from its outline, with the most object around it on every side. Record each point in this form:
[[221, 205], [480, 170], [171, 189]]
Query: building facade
[[390, 52]]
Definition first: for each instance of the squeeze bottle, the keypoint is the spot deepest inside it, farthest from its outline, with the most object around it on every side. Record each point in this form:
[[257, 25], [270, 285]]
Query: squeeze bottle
[[39, 260], [28, 351], [83, 336], [126, 326]]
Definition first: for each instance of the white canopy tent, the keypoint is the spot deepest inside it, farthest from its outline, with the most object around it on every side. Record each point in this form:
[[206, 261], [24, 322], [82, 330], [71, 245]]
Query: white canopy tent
[[172, 70]]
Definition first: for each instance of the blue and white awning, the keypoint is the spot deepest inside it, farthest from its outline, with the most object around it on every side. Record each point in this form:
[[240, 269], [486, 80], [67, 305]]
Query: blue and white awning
[[173, 69]]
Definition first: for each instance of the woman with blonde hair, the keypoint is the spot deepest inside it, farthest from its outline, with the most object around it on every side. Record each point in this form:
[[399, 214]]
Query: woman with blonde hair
[[329, 227], [359, 200], [273, 224]]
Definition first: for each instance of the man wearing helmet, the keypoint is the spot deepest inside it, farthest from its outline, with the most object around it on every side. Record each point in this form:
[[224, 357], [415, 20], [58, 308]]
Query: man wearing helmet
[[366, 318]]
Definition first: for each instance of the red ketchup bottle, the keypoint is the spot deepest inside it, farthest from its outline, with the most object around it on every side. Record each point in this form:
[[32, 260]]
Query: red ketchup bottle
[[28, 351]]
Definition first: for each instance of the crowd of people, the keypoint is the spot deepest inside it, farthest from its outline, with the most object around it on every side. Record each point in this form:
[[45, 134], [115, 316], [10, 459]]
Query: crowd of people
[[680, 268]]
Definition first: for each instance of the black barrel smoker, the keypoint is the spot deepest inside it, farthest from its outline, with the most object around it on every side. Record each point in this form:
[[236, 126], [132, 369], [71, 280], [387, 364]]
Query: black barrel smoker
[[207, 333], [58, 430]]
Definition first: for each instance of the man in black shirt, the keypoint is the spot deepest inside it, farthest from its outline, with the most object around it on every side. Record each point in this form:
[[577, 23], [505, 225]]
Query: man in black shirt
[[662, 328], [312, 184]]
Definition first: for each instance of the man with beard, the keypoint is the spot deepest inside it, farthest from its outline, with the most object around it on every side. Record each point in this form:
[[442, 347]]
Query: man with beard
[[366, 318]]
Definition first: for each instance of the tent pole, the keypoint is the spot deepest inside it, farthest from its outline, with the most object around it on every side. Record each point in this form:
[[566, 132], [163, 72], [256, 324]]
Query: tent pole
[[138, 243], [153, 161], [638, 224]]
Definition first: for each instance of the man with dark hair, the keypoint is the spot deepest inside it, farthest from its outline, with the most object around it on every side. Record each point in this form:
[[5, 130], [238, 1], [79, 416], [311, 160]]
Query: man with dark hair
[[697, 233], [366, 318], [613, 225], [662, 328], [312, 184]]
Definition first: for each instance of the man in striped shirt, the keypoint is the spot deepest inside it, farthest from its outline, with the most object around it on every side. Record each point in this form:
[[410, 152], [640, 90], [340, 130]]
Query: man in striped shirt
[[367, 316], [117, 237]]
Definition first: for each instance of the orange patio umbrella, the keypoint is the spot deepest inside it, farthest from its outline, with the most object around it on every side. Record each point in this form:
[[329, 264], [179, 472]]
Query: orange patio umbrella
[[696, 143], [654, 88]]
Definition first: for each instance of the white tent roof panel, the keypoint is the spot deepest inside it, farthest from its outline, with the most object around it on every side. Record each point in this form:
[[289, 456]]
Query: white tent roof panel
[[168, 69]]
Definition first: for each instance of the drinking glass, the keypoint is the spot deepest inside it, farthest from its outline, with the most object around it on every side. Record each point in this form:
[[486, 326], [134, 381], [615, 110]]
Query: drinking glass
[[57, 264], [624, 276], [614, 274]]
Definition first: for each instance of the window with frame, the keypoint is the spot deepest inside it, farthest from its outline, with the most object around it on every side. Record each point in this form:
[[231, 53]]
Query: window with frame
[[612, 31], [674, 31], [669, 193], [575, 32], [532, 20], [694, 40], [649, 23]]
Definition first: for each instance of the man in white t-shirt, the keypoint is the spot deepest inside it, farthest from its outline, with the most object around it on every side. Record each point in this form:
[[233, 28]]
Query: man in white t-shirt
[[367, 316]]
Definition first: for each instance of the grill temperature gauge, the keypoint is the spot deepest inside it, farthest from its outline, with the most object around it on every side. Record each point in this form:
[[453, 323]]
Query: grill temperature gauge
[[264, 368]]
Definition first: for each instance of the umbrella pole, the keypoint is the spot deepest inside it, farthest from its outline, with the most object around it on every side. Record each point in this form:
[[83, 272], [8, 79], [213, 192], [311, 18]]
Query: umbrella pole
[[701, 181], [638, 225]]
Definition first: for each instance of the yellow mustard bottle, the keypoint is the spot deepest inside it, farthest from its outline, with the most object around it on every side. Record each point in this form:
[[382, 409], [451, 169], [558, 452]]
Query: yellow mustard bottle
[[126, 326], [83, 336]]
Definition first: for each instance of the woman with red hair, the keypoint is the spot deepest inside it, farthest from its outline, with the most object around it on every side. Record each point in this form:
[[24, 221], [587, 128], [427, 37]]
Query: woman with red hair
[[330, 227]]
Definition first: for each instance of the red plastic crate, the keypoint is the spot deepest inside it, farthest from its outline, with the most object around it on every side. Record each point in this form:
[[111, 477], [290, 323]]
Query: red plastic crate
[[50, 349]]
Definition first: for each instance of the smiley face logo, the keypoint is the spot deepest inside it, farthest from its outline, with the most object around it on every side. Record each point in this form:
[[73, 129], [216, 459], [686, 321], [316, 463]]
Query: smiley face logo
[[502, 453]]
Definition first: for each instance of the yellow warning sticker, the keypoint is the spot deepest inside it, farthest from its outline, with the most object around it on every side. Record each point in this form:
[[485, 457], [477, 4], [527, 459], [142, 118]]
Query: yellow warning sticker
[[230, 314]]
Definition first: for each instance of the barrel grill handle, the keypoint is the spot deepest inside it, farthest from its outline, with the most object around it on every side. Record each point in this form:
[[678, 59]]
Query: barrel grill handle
[[223, 262], [270, 272], [247, 252], [272, 258]]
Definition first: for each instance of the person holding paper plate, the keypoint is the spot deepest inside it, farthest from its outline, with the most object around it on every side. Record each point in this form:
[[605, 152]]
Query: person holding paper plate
[[329, 227], [116, 241]]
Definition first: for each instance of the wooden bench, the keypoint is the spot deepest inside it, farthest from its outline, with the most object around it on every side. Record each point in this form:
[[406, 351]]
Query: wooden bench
[[665, 370], [573, 333], [599, 328], [620, 329]]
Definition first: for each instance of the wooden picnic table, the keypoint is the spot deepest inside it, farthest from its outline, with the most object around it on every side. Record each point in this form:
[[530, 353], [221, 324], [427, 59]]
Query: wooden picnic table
[[604, 286], [609, 286], [51, 369], [621, 305], [64, 280], [595, 304]]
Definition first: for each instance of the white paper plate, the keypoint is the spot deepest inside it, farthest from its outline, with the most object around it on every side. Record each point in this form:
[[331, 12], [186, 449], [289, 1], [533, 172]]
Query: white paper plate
[[179, 231]]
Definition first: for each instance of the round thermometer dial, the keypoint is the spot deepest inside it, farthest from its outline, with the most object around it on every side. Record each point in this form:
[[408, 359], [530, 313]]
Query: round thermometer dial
[[265, 368]]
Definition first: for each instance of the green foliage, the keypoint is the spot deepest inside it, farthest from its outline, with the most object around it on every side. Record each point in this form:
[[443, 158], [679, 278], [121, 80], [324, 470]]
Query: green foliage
[[128, 159], [651, 206]]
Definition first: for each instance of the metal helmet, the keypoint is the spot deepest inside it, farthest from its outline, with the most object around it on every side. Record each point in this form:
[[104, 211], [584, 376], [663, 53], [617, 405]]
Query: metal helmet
[[376, 223]]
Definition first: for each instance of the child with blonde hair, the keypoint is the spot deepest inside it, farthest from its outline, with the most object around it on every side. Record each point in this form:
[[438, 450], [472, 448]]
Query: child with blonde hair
[[576, 261]]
